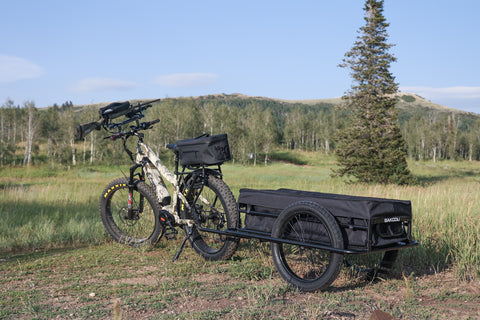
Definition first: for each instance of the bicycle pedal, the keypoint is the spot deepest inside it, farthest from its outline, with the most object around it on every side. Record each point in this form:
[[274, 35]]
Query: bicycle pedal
[[171, 233]]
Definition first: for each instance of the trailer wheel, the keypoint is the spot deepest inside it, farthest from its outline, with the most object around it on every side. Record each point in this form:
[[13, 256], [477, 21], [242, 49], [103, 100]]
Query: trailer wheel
[[302, 266]]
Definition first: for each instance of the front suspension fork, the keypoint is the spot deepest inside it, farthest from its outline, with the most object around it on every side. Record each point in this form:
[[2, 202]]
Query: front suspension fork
[[131, 187]]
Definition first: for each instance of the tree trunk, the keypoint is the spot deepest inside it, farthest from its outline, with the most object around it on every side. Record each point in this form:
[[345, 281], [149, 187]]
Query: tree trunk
[[14, 137], [72, 144], [84, 150], [29, 138], [91, 148], [2, 142]]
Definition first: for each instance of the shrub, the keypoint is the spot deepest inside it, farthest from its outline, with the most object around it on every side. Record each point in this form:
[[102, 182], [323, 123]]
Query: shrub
[[407, 98]]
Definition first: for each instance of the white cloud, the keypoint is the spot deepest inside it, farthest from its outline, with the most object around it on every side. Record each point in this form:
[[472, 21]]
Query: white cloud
[[14, 68], [186, 80], [102, 84], [445, 93]]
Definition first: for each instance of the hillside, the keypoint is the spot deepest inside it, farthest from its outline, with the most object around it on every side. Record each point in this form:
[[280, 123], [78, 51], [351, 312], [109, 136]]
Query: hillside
[[405, 101], [408, 103], [257, 125]]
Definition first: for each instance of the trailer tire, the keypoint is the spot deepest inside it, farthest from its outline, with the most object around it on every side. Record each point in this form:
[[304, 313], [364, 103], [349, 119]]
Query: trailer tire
[[302, 266]]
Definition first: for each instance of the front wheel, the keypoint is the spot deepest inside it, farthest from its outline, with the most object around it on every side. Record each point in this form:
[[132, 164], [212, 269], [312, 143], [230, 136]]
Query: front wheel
[[213, 207], [305, 267], [130, 218]]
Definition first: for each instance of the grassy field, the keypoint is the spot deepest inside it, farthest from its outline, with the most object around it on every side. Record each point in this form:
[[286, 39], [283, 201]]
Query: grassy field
[[56, 260]]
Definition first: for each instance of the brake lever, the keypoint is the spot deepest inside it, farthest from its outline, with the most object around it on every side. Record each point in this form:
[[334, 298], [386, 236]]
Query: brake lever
[[115, 136], [145, 125]]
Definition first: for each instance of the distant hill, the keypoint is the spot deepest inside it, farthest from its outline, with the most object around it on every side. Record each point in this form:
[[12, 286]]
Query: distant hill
[[409, 106], [409, 103], [254, 124], [406, 102], [410, 100]]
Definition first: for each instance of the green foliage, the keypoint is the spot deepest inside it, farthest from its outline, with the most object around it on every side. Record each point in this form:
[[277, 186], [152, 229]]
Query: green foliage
[[254, 125], [408, 98], [370, 147]]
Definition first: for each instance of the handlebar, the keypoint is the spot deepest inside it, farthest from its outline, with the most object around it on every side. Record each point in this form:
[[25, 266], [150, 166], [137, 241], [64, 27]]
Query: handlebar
[[113, 111], [133, 130]]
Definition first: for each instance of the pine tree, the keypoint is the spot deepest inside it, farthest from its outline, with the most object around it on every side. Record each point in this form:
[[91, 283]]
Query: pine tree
[[370, 147]]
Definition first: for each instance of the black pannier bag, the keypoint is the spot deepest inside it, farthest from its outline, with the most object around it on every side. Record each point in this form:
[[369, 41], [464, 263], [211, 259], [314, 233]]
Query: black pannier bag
[[204, 150], [365, 222]]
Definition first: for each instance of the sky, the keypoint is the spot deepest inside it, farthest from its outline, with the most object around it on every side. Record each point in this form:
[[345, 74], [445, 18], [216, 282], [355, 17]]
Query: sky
[[115, 50]]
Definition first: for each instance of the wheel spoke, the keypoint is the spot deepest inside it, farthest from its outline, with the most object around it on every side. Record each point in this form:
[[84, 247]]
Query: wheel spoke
[[130, 217], [215, 208], [305, 267]]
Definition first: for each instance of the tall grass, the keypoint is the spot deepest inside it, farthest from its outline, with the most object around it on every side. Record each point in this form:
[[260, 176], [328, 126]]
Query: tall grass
[[41, 208]]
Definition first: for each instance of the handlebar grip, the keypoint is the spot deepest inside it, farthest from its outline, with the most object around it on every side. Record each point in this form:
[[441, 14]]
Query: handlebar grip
[[147, 125], [84, 129], [115, 136]]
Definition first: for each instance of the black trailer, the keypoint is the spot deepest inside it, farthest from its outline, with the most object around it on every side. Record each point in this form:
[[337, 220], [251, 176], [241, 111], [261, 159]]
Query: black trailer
[[310, 232]]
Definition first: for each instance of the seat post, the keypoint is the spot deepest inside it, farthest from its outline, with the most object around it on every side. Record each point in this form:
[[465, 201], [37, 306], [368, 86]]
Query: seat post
[[177, 159]]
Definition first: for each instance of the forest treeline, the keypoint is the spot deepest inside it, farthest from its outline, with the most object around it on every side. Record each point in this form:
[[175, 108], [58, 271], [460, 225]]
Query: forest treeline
[[29, 135]]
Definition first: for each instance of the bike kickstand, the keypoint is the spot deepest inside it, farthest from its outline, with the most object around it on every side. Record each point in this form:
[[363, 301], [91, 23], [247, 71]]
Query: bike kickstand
[[187, 235]]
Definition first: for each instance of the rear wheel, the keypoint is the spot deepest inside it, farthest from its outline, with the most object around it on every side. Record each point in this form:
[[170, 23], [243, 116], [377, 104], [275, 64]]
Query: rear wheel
[[214, 207], [304, 267], [136, 226]]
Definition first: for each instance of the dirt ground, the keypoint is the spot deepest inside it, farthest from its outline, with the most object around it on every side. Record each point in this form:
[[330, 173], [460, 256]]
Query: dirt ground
[[112, 282]]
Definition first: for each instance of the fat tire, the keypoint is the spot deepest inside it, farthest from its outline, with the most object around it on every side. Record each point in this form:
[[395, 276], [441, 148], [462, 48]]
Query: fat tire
[[217, 192], [287, 258], [145, 228]]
